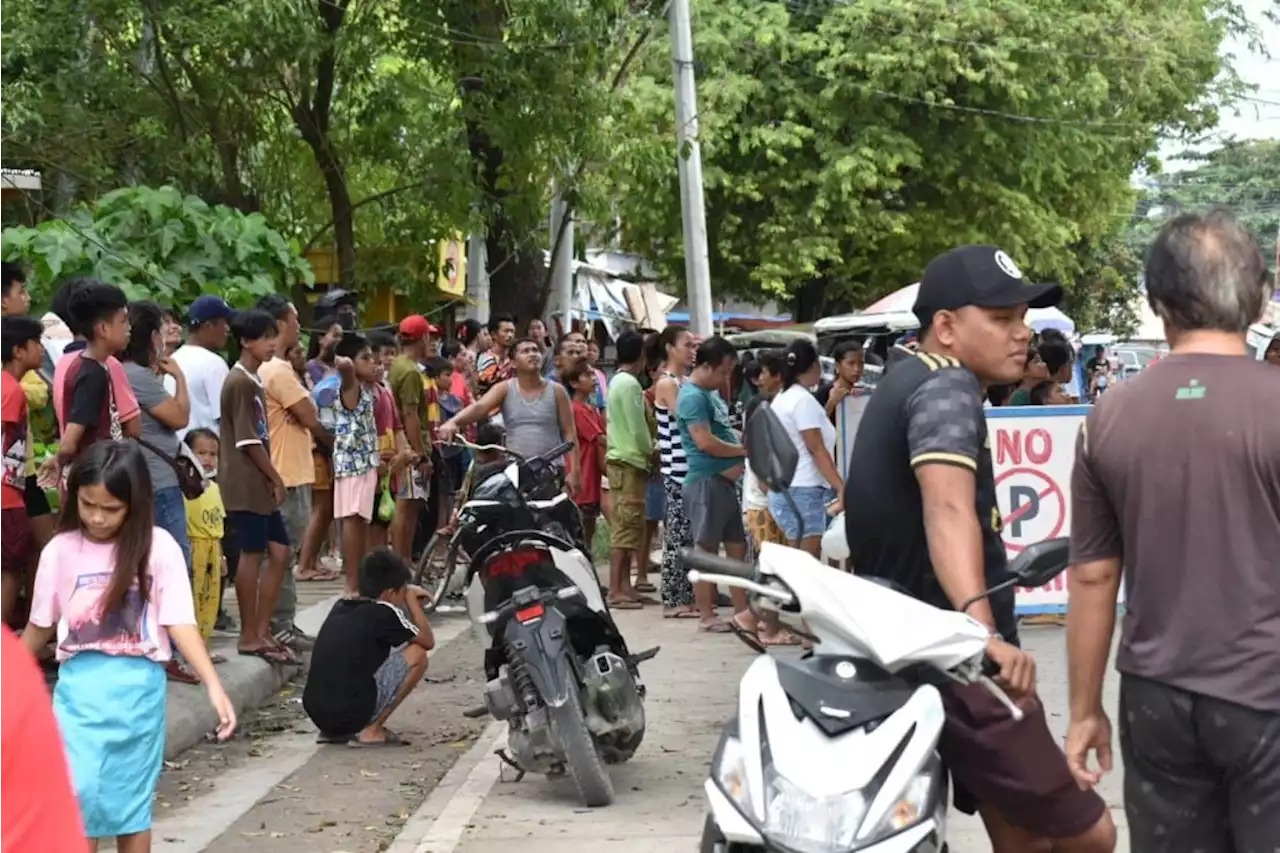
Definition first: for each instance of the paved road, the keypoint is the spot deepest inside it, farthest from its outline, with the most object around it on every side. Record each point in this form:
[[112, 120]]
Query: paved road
[[447, 793]]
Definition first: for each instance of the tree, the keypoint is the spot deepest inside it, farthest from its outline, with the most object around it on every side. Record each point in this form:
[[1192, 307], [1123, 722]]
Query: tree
[[845, 144], [537, 85], [1242, 176], [158, 244]]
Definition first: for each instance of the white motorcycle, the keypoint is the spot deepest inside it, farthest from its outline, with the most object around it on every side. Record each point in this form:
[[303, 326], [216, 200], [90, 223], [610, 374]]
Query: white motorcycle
[[838, 750]]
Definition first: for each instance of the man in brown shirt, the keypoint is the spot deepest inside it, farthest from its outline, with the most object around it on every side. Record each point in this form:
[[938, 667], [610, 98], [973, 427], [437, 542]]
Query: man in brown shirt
[[252, 489], [1177, 480]]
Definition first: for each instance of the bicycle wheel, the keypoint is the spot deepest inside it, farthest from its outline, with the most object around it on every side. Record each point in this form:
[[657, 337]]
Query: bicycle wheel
[[435, 567]]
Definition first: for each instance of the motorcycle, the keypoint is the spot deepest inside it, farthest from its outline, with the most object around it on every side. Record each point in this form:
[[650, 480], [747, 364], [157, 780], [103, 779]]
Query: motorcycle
[[442, 568], [557, 669], [838, 750]]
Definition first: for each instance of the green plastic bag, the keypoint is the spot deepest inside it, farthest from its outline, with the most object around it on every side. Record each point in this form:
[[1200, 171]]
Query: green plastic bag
[[387, 502]]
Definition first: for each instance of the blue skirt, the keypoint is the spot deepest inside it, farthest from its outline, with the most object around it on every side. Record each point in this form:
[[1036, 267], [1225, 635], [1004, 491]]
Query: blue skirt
[[111, 712]]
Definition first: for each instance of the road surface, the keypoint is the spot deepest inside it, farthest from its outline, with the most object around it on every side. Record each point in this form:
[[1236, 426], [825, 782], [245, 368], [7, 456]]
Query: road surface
[[274, 788]]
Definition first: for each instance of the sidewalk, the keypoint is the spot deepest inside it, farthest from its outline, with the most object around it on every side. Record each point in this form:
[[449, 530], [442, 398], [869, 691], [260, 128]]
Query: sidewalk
[[692, 685], [248, 681]]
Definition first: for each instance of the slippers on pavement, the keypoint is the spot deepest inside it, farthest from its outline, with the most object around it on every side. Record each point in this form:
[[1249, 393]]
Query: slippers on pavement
[[270, 654], [626, 604], [645, 586], [682, 613], [391, 739], [716, 626]]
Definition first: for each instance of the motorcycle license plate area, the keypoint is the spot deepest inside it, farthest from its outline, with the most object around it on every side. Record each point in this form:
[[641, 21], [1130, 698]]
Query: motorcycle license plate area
[[532, 613]]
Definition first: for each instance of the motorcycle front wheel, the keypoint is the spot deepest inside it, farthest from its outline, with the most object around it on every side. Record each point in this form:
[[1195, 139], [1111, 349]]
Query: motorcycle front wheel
[[585, 765]]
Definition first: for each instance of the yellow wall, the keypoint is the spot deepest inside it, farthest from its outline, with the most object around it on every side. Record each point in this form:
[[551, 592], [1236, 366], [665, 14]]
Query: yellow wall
[[382, 305]]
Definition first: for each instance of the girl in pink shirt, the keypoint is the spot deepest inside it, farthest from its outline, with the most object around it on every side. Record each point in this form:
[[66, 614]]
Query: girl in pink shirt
[[114, 588]]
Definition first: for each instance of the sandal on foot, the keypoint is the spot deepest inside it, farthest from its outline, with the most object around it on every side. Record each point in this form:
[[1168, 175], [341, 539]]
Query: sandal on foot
[[626, 604], [392, 739], [271, 654], [175, 671], [325, 737], [715, 626], [645, 586], [779, 638], [682, 613]]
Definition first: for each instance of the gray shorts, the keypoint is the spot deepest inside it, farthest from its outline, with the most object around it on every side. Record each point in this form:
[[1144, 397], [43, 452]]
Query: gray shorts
[[1199, 773], [390, 678], [715, 516]]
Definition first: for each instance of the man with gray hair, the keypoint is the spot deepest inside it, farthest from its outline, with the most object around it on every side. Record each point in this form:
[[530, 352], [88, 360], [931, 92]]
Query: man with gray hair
[[1177, 480]]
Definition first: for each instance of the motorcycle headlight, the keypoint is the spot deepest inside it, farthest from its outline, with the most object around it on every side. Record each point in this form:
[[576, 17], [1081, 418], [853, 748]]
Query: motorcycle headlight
[[807, 823]]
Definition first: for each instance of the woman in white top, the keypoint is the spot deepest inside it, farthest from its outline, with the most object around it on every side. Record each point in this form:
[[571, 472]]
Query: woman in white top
[[816, 487]]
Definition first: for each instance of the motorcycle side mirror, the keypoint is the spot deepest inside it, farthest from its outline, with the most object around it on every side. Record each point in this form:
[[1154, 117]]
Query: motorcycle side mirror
[[770, 453], [1040, 563], [1035, 566]]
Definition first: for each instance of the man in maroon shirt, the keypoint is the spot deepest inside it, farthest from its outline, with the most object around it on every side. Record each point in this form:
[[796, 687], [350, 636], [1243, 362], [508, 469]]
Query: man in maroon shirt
[[40, 811]]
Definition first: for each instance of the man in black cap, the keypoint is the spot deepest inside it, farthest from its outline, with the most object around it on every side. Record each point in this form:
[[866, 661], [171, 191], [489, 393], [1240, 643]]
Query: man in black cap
[[920, 510]]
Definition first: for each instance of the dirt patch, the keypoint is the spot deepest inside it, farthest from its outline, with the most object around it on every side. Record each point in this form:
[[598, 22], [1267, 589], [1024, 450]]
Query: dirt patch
[[342, 800]]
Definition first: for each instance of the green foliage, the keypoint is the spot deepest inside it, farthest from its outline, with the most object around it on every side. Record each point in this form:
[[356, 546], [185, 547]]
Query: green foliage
[[1241, 176], [158, 244], [848, 143]]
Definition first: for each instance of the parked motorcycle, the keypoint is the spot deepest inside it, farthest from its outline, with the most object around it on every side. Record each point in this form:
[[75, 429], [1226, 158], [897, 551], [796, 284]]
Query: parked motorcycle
[[838, 751], [558, 670], [442, 568]]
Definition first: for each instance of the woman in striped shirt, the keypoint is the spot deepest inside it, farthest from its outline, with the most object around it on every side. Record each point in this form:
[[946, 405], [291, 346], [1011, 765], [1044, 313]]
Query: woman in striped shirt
[[673, 349]]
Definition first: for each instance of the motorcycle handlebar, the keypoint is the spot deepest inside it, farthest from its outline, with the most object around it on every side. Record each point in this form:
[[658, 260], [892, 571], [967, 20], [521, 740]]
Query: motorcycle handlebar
[[556, 452], [715, 564]]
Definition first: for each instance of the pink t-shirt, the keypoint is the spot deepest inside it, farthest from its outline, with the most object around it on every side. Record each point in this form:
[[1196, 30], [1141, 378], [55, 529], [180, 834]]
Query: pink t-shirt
[[74, 573], [126, 402]]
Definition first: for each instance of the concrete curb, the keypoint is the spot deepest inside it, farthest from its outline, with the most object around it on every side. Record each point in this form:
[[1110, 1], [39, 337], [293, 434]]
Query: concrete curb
[[248, 681]]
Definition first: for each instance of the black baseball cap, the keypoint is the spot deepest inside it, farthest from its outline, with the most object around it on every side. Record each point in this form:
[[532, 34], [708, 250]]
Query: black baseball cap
[[983, 276]]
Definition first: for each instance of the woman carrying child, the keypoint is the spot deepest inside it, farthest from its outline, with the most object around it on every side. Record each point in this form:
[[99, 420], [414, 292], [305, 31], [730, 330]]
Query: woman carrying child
[[114, 589]]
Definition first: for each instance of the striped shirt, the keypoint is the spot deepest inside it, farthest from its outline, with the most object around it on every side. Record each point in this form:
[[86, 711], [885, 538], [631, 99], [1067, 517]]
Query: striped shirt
[[671, 458]]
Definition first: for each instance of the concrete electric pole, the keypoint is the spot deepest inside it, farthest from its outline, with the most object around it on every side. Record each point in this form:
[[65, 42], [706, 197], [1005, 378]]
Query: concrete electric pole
[[697, 268], [561, 262]]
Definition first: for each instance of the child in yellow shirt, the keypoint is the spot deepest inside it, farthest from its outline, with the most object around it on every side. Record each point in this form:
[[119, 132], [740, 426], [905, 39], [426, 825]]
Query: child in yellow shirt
[[205, 517]]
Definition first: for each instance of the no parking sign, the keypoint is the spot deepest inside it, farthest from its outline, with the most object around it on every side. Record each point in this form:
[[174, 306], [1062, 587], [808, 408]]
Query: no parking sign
[[1033, 450]]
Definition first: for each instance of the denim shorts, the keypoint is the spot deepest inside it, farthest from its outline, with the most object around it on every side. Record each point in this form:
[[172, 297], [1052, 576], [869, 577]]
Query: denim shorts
[[655, 499], [811, 501]]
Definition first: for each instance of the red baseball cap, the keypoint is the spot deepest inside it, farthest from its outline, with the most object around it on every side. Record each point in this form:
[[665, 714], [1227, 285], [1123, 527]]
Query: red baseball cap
[[415, 326]]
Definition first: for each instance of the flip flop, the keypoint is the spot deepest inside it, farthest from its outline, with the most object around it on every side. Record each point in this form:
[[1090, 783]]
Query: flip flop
[[779, 638], [645, 586], [739, 628], [319, 577], [392, 739], [216, 658], [337, 740], [626, 604], [647, 599], [682, 613], [271, 654], [715, 626]]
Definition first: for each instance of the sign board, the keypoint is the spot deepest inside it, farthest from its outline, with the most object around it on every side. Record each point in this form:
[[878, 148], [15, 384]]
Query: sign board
[[1033, 450]]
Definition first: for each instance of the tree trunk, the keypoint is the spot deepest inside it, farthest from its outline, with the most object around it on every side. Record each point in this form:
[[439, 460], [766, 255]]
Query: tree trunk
[[344, 222], [518, 283]]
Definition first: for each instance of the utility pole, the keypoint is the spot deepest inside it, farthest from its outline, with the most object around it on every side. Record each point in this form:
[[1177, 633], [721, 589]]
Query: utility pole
[[477, 279], [562, 262], [697, 267]]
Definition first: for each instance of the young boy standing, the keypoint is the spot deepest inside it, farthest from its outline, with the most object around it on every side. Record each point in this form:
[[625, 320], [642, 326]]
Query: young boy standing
[[90, 409], [252, 489], [22, 351], [580, 380], [15, 301], [369, 656], [355, 450]]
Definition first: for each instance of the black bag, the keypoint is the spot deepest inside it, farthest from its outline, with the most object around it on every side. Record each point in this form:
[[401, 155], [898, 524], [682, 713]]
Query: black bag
[[190, 477]]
